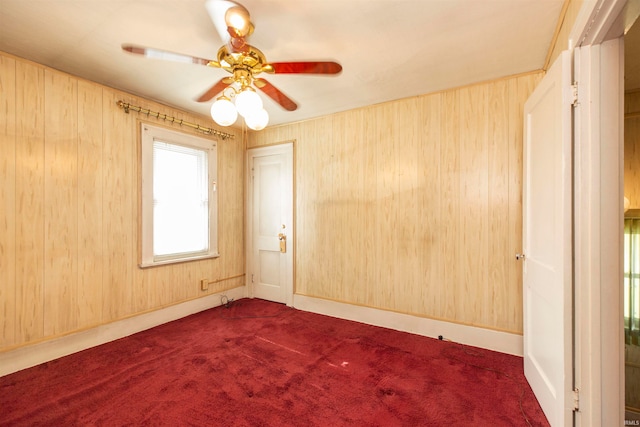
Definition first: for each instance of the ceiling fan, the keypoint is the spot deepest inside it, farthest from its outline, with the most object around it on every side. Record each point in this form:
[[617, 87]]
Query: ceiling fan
[[245, 63]]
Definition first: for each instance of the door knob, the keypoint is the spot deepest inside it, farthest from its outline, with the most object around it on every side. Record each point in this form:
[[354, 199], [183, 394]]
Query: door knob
[[283, 242]]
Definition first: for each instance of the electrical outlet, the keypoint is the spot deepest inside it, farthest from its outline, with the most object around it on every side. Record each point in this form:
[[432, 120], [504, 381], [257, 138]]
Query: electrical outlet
[[204, 284]]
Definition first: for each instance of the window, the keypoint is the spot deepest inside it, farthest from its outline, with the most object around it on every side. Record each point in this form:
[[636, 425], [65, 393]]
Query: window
[[179, 198]]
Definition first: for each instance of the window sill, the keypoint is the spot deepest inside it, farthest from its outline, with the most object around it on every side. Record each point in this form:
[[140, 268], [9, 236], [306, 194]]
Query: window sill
[[147, 264]]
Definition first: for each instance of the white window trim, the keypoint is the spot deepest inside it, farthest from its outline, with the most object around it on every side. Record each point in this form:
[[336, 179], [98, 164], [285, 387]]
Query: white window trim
[[149, 134]]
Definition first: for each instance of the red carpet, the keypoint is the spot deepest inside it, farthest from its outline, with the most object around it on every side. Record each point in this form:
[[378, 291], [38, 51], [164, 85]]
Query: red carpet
[[263, 364]]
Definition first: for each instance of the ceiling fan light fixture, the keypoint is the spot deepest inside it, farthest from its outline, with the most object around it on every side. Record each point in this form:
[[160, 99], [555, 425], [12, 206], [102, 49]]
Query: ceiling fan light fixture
[[237, 17], [248, 101], [236, 56], [257, 120], [223, 112]]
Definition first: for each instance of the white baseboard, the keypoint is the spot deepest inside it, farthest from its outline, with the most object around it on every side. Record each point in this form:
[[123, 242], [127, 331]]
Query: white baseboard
[[503, 342], [26, 357]]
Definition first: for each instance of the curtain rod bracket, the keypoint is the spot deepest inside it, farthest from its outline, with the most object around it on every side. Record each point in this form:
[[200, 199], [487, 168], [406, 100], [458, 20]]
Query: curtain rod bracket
[[124, 106]]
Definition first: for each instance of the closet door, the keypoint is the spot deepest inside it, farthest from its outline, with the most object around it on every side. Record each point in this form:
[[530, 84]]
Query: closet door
[[547, 243]]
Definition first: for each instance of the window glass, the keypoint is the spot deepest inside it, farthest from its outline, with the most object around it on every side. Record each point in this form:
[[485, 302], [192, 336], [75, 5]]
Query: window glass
[[178, 197]]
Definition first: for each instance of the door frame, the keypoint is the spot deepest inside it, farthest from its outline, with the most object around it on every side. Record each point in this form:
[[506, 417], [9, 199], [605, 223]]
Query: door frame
[[288, 147], [598, 190]]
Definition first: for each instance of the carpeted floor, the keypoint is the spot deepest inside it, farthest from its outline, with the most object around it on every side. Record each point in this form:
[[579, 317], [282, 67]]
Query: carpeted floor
[[258, 363]]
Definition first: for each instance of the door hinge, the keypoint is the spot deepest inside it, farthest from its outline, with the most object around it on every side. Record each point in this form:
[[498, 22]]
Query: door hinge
[[574, 94], [252, 278], [576, 400]]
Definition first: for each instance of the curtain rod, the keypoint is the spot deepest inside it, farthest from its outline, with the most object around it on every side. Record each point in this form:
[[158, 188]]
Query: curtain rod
[[209, 131]]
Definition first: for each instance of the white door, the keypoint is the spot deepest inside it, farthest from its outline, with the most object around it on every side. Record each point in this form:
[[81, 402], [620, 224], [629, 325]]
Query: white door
[[270, 223], [547, 243]]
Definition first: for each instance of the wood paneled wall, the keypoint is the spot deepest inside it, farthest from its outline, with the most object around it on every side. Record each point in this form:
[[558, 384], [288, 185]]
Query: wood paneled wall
[[632, 148], [414, 206], [69, 208]]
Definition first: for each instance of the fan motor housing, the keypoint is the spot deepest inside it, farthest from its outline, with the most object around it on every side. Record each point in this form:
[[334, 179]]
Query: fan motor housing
[[250, 59]]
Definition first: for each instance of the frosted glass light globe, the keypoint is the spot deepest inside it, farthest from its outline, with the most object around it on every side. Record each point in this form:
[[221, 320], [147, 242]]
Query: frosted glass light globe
[[248, 101], [257, 120], [223, 112], [237, 17]]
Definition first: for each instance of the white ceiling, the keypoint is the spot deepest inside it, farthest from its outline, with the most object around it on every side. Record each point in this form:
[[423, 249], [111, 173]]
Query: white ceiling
[[389, 49]]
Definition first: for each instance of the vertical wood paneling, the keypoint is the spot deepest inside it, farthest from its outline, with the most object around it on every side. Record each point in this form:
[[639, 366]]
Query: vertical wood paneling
[[69, 226], [308, 240], [304, 224], [343, 179], [498, 199], [473, 232], [415, 205], [450, 206], [348, 130], [386, 206], [368, 221], [7, 201], [371, 218], [231, 195], [429, 208], [160, 287], [118, 200], [60, 204], [328, 266], [226, 201], [30, 202], [407, 230], [90, 214]]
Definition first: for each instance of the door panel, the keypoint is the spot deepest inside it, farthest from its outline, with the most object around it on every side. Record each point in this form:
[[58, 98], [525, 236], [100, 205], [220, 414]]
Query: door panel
[[269, 268], [547, 240], [270, 214]]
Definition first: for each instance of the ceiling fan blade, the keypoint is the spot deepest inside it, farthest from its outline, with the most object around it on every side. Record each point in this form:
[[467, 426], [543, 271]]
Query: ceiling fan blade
[[215, 89], [306, 67], [274, 93], [164, 55]]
